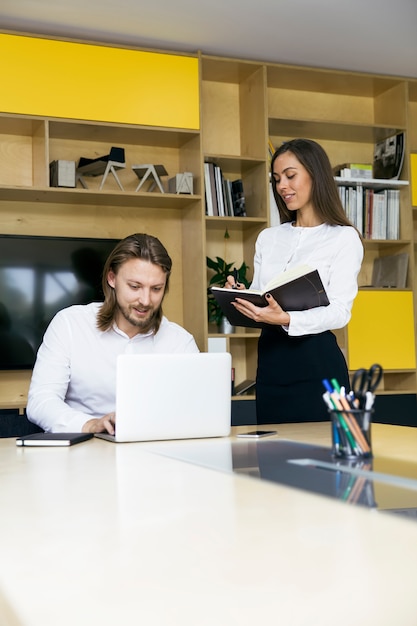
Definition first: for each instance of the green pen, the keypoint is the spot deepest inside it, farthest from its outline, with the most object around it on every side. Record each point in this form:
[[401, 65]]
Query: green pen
[[335, 384], [352, 441]]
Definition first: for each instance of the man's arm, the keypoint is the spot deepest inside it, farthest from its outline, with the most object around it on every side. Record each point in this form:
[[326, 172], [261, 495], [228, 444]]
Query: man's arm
[[50, 380]]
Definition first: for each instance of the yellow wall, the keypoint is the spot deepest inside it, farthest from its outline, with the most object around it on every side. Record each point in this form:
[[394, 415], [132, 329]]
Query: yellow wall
[[382, 330], [92, 82]]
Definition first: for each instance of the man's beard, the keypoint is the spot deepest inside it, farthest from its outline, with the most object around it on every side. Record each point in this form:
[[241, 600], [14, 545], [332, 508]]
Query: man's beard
[[146, 324]]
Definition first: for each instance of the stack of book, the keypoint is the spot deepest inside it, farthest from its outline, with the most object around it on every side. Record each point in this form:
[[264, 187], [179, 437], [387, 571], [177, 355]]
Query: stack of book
[[353, 170], [375, 213], [224, 198], [382, 214]]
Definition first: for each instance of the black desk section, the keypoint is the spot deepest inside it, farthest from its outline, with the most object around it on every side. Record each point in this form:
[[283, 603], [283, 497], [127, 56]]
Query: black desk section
[[312, 468]]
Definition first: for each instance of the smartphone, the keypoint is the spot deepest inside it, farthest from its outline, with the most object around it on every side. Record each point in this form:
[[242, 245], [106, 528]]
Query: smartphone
[[257, 433]]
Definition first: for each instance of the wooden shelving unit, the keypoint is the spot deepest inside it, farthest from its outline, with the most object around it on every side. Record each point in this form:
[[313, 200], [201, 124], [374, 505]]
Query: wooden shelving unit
[[243, 103], [345, 112], [28, 206]]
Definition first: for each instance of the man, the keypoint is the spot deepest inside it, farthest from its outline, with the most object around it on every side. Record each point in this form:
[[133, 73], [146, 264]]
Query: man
[[74, 378]]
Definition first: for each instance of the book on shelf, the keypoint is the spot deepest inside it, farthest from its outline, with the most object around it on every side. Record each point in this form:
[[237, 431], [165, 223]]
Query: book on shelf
[[212, 172], [238, 196], [379, 215], [413, 176], [53, 439], [389, 157], [390, 271], [353, 170], [393, 209], [382, 214], [247, 386], [212, 208], [207, 191], [375, 213], [297, 289], [62, 173], [224, 198], [227, 192], [271, 149]]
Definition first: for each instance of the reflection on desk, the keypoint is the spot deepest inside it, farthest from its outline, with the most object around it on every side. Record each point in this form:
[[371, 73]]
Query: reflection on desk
[[388, 485]]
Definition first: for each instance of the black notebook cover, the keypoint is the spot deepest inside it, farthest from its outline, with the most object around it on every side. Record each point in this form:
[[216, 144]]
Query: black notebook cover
[[53, 439], [305, 292]]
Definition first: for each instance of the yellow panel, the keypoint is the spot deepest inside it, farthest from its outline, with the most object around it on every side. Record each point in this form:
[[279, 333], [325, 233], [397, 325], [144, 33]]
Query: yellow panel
[[413, 169], [91, 82], [382, 330]]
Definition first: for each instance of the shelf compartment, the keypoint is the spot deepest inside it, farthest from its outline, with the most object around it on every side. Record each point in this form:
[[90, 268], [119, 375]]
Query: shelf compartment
[[253, 174], [299, 93], [239, 246], [231, 93], [23, 151], [177, 150], [398, 382], [379, 248]]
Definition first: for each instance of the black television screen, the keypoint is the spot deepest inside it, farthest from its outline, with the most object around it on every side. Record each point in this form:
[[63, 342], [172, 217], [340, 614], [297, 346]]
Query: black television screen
[[38, 277]]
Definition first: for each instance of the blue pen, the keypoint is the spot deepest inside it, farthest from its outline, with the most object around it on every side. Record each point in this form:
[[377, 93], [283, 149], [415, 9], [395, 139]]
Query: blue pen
[[330, 403], [327, 385], [336, 438]]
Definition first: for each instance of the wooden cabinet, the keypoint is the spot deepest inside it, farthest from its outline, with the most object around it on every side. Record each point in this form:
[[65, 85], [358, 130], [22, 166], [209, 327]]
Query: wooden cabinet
[[28, 206], [242, 105]]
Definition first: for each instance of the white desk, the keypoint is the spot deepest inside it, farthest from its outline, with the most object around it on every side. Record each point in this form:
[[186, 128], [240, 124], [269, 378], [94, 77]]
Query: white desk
[[120, 534]]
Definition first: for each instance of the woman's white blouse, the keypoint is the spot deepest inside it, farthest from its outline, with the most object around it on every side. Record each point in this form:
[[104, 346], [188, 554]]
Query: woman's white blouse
[[335, 251]]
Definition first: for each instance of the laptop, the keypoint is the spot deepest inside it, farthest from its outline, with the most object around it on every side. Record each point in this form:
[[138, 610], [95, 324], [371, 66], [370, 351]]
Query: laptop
[[172, 396]]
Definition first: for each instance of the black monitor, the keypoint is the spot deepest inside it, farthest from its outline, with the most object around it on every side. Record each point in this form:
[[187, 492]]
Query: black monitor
[[38, 277]]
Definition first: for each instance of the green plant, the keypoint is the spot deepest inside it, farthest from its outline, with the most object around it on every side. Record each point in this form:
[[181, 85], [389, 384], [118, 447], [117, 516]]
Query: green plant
[[221, 271]]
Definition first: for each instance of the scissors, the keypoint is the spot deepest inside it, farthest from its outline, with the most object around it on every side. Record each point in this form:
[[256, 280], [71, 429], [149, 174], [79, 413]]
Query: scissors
[[366, 380]]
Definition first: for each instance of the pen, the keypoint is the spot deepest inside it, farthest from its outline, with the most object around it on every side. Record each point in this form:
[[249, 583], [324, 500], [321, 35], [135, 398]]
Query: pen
[[350, 442], [236, 277], [360, 440], [332, 407]]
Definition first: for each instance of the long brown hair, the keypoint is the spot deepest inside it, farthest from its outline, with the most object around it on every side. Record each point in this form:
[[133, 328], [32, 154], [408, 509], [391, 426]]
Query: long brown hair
[[324, 193], [138, 246]]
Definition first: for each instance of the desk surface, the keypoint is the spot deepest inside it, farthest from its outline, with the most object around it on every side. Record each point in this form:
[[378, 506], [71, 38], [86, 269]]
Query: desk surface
[[124, 534]]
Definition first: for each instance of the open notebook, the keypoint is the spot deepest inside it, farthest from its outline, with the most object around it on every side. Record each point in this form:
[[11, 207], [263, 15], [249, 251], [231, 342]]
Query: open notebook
[[172, 396]]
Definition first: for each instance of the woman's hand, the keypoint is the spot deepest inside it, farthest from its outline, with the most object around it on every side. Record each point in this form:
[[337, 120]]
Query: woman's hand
[[271, 314], [102, 425], [232, 284]]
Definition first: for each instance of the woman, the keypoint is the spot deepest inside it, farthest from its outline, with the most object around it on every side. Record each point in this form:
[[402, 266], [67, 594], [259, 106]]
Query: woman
[[297, 350]]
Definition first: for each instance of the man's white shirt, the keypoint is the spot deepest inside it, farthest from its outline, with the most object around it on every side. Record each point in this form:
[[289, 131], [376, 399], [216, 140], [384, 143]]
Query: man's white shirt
[[74, 378]]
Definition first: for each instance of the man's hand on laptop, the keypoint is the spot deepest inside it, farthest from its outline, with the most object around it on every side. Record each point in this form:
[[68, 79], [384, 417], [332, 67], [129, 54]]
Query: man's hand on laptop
[[103, 425]]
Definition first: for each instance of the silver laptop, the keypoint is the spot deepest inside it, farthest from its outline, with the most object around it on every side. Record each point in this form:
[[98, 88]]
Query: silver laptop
[[172, 396]]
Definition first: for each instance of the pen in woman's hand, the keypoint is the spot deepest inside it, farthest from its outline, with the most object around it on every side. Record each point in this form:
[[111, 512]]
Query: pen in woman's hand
[[235, 276]]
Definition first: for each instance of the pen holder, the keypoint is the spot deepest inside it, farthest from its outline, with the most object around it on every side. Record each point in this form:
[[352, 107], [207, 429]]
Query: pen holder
[[351, 433]]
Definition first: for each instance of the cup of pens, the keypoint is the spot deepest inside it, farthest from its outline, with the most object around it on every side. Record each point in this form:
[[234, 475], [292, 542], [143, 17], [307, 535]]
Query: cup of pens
[[351, 413], [351, 433]]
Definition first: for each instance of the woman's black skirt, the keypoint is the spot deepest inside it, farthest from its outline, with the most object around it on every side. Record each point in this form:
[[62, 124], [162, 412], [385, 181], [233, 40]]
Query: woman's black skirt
[[290, 372]]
